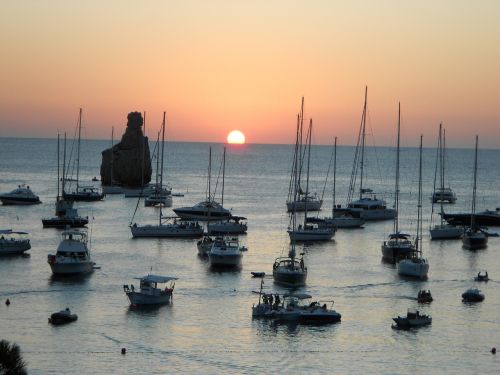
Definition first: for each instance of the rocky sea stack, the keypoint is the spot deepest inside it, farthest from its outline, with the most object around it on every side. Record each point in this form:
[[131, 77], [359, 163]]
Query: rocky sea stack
[[131, 159]]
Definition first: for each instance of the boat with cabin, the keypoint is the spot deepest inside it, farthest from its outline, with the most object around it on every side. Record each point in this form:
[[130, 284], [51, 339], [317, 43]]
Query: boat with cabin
[[225, 252], [149, 292], [413, 319], [72, 256], [22, 195], [13, 242]]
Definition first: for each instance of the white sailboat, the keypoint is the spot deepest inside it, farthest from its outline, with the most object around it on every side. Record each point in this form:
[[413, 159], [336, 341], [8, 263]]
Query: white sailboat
[[443, 194], [474, 238], [167, 226], [398, 245], [442, 230], [81, 193], [308, 231], [160, 195], [416, 265], [368, 206]]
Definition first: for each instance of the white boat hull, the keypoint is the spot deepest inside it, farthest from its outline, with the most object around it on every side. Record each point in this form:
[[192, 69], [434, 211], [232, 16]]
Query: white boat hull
[[443, 232], [418, 268], [233, 260], [8, 247], [71, 268], [137, 298]]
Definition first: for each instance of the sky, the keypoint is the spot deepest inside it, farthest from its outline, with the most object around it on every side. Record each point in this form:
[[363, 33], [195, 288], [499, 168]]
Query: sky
[[215, 66]]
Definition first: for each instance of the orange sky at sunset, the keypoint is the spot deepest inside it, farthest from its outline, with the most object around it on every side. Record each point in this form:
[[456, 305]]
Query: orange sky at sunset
[[215, 66]]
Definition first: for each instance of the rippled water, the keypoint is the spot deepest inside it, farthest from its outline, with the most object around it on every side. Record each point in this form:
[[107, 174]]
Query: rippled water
[[208, 328]]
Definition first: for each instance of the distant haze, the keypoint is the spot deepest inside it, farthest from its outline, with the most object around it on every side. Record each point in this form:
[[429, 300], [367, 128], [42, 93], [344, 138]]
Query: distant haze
[[215, 66]]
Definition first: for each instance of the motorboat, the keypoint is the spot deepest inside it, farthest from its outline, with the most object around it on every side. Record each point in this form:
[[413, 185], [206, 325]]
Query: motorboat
[[13, 242], [149, 292], [168, 227], [234, 225], [289, 271], [488, 218], [72, 256], [318, 312], [268, 306], [66, 216], [413, 319], [204, 245], [343, 220], [159, 197], [311, 232], [482, 277], [445, 195], [424, 296], [305, 202], [206, 210], [22, 195], [397, 247], [225, 251], [297, 308], [62, 317], [472, 295], [368, 207]]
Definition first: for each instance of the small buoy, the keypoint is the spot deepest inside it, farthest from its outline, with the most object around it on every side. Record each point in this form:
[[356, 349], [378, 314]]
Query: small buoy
[[7, 302], [493, 350], [124, 351]]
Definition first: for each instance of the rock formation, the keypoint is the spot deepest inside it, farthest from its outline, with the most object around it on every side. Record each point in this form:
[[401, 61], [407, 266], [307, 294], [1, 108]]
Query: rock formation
[[131, 159]]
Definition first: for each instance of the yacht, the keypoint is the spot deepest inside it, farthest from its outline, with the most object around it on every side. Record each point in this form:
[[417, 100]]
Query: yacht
[[20, 196], [13, 242], [444, 195], [234, 225], [72, 256], [168, 227], [225, 251], [149, 293], [413, 319]]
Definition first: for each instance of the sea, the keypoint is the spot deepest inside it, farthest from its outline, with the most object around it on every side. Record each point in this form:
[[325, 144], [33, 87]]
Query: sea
[[208, 327]]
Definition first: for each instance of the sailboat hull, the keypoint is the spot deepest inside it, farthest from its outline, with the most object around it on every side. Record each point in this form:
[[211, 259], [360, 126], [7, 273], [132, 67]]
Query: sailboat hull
[[318, 234], [445, 232], [413, 268], [474, 240], [288, 277], [393, 252]]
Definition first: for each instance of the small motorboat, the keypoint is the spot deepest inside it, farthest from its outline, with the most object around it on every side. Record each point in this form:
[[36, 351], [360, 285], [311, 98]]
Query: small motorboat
[[472, 295], [481, 277], [62, 317], [13, 242], [413, 319], [269, 305], [424, 296], [258, 274], [150, 293]]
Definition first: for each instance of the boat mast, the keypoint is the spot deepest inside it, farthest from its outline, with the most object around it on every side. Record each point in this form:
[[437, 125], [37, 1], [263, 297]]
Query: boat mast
[[162, 149], [363, 134], [58, 152], [223, 175], [301, 156], [291, 253], [78, 149], [396, 187], [334, 175], [308, 164], [143, 151], [443, 148], [418, 244], [472, 217], [112, 157], [209, 197]]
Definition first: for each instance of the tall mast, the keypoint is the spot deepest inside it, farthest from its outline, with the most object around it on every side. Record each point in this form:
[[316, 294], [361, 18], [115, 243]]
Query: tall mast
[[308, 164], [157, 160], [64, 167], [58, 152], [472, 218], [396, 187], [209, 198], [363, 134], [291, 253], [334, 175], [112, 156], [223, 174], [78, 149], [301, 158], [162, 149], [143, 150], [419, 207]]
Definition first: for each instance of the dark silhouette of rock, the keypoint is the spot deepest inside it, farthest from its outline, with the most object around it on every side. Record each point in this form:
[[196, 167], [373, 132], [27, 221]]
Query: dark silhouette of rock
[[131, 159]]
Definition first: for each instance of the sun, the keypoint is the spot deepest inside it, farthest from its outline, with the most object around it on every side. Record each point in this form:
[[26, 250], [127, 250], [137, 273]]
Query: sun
[[236, 137]]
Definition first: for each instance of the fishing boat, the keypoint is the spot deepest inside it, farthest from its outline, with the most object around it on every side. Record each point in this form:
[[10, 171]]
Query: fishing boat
[[474, 237], [398, 246], [225, 252], [81, 193], [72, 256], [149, 292], [13, 242], [413, 319], [415, 265], [442, 230], [22, 195]]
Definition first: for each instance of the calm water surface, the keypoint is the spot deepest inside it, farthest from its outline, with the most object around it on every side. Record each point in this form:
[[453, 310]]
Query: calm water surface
[[208, 328]]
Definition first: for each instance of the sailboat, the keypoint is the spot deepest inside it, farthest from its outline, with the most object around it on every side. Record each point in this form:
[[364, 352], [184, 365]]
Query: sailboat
[[398, 245], [167, 226], [443, 230], [416, 265], [208, 209], [341, 220], [160, 195], [443, 194], [474, 238], [309, 231], [113, 188], [290, 271], [304, 200], [66, 215], [82, 193], [234, 224], [368, 206]]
